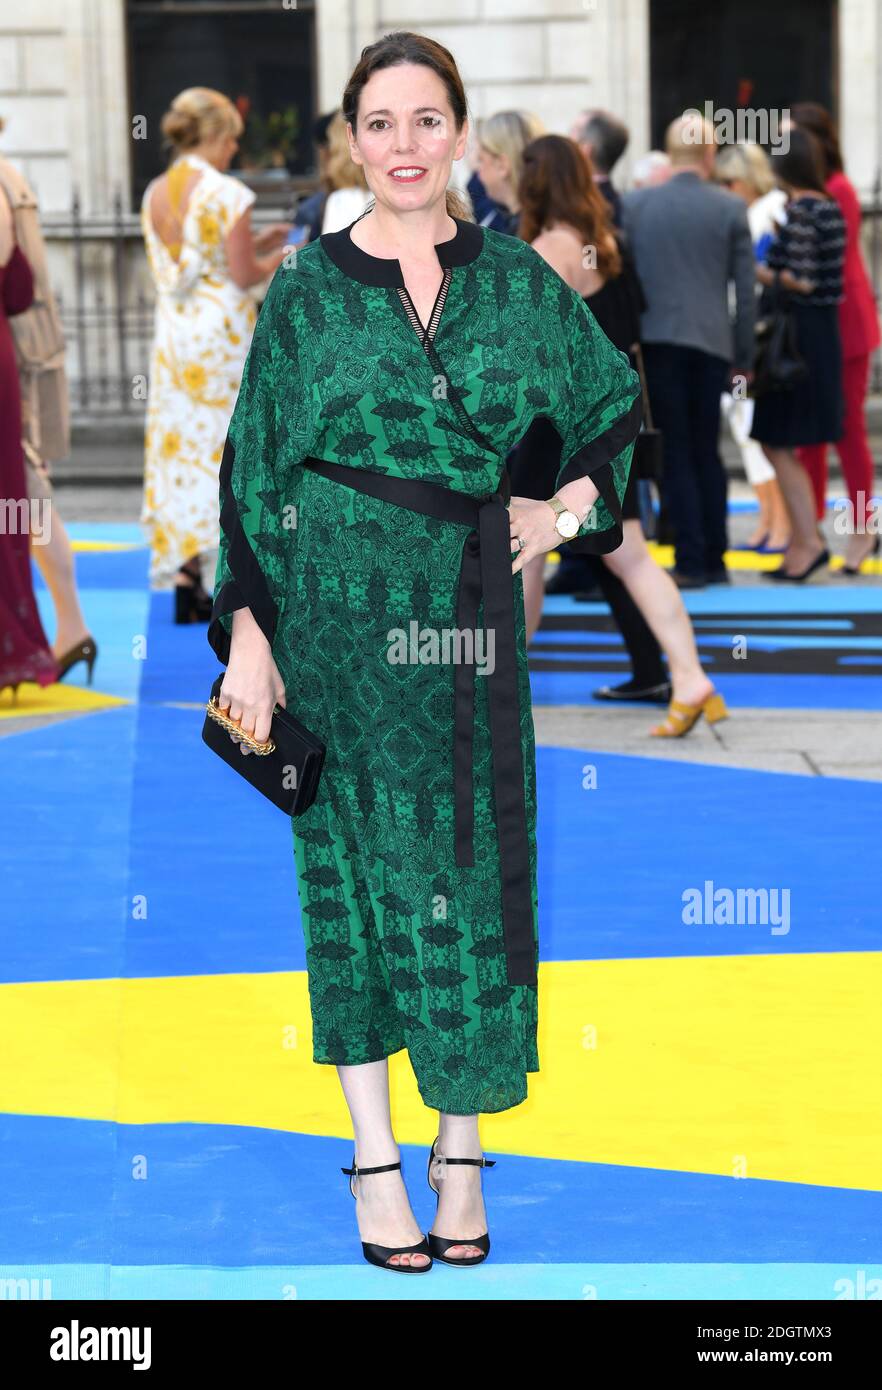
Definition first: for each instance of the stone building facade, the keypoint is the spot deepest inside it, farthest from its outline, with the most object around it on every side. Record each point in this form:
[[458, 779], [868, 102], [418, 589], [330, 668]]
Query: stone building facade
[[71, 72]]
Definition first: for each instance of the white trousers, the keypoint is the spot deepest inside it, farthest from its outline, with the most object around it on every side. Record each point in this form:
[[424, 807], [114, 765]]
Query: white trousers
[[738, 414]]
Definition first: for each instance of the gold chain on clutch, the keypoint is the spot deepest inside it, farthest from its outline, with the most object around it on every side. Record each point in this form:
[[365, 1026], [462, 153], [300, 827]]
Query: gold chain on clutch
[[217, 714]]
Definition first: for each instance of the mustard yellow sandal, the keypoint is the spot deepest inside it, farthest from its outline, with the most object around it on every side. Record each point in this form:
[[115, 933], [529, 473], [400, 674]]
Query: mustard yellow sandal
[[684, 717]]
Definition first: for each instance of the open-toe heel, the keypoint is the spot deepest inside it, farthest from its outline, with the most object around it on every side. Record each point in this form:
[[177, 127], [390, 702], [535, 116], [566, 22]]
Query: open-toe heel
[[439, 1245], [682, 717], [380, 1255]]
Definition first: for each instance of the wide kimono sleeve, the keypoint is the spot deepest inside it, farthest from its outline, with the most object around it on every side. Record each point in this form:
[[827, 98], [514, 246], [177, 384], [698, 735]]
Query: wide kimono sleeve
[[597, 413], [254, 533]]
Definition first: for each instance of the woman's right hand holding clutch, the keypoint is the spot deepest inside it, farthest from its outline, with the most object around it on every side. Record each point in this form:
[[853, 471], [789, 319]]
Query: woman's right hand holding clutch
[[252, 686]]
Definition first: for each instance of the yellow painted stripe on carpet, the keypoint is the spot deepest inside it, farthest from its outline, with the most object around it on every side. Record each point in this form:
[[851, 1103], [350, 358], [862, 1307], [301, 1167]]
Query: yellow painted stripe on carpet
[[742, 560], [59, 698], [754, 560], [108, 545], [762, 1065]]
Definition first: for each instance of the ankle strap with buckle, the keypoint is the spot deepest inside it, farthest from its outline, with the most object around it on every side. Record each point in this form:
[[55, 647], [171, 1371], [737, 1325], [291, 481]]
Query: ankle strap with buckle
[[362, 1172], [478, 1162]]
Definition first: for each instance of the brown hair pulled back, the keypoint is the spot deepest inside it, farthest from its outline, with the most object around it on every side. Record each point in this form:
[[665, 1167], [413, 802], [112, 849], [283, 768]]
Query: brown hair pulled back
[[197, 114], [405, 47]]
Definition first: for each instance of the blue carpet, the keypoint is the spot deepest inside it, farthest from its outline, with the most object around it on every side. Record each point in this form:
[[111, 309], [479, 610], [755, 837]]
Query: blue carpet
[[105, 569], [128, 801], [147, 834], [233, 1196], [493, 1282], [651, 830], [818, 692]]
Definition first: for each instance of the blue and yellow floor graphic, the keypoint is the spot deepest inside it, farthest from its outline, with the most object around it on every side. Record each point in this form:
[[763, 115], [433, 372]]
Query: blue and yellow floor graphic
[[707, 1120]]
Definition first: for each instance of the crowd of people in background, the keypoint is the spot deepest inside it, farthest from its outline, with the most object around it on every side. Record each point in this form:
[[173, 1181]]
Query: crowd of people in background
[[709, 242], [699, 240]]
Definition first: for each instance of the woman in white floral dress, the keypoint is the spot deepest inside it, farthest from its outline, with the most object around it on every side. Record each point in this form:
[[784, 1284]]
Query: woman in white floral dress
[[204, 259]]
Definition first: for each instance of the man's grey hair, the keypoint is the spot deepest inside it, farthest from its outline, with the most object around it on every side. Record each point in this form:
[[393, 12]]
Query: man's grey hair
[[607, 136]]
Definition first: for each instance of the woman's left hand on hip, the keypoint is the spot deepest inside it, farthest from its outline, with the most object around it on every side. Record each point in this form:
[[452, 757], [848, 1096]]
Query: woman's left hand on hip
[[531, 523]]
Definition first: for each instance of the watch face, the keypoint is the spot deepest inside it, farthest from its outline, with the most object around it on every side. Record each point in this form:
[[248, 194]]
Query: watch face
[[567, 525]]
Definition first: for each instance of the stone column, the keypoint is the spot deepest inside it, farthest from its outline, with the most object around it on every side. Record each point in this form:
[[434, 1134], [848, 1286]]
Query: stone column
[[343, 28], [859, 82], [100, 133]]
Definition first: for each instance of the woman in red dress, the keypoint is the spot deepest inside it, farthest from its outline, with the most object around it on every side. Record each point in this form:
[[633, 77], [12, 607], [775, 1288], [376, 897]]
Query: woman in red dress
[[24, 650], [859, 331]]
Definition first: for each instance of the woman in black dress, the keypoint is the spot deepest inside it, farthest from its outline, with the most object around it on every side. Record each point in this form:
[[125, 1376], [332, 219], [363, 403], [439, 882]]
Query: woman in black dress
[[566, 219], [805, 262]]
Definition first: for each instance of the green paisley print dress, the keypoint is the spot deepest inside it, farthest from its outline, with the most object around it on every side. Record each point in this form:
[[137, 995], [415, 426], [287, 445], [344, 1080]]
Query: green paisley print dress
[[405, 940]]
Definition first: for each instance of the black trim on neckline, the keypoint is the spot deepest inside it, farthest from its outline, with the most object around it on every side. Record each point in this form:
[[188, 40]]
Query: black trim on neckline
[[462, 248]]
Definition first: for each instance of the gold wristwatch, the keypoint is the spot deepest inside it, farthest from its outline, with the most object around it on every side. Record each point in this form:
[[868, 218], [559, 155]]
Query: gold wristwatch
[[566, 523]]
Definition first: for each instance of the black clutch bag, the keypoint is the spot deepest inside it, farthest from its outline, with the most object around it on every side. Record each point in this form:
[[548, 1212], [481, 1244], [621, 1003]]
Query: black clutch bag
[[286, 769]]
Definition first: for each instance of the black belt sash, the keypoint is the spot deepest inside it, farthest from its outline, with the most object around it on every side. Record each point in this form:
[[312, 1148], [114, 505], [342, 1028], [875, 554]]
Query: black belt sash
[[485, 572]]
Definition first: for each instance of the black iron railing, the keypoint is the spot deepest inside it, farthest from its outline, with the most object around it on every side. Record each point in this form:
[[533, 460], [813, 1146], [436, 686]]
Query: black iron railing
[[106, 314]]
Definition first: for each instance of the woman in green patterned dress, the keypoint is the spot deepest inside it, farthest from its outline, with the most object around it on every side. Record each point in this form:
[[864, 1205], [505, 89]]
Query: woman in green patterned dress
[[369, 579]]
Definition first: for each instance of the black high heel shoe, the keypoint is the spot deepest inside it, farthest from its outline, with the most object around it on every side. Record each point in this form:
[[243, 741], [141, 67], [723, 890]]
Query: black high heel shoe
[[193, 604], [87, 651], [439, 1245], [781, 574], [871, 553], [379, 1255]]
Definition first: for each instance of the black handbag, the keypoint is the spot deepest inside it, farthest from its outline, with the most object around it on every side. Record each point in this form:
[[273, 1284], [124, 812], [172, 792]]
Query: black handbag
[[648, 446], [647, 462], [286, 768], [778, 365]]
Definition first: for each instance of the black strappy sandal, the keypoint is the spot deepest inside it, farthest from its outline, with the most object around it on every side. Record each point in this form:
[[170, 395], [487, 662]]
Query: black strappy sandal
[[439, 1245], [379, 1255]]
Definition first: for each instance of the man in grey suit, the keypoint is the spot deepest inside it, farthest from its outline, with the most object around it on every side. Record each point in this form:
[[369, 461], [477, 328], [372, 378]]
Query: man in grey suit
[[690, 240]]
